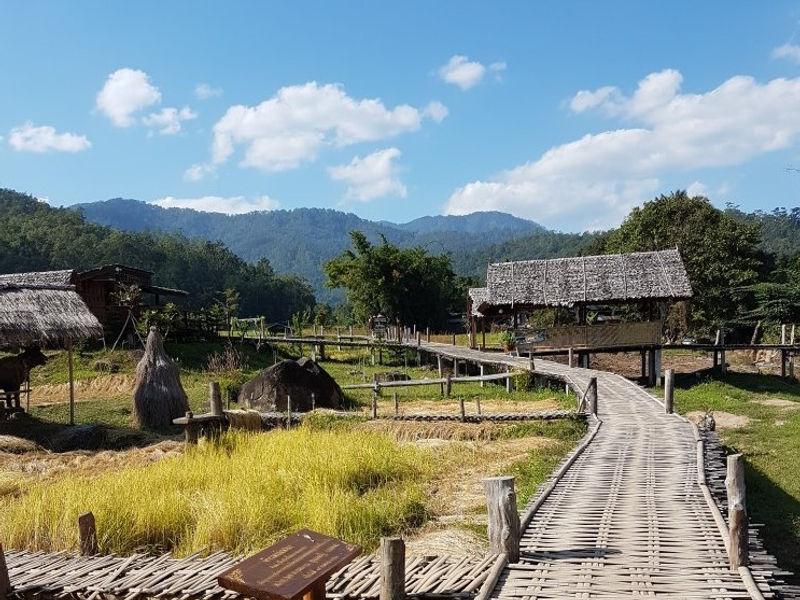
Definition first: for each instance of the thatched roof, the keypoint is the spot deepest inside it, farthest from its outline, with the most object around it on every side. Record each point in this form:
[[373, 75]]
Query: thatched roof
[[40, 278], [43, 314], [656, 275], [477, 297]]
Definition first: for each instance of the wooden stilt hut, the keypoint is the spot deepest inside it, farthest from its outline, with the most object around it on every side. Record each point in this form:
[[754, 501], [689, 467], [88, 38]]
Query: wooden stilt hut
[[48, 316]]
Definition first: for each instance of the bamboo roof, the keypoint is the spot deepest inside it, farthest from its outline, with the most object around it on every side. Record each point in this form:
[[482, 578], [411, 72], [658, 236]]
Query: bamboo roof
[[43, 315], [657, 275]]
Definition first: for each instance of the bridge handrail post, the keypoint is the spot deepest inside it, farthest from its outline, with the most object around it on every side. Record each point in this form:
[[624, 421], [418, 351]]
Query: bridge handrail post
[[393, 569], [503, 518], [737, 512], [591, 396], [669, 390]]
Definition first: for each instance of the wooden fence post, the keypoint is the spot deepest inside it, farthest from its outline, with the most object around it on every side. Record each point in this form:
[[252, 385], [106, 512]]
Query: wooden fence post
[[448, 386], [737, 512], [190, 432], [214, 398], [482, 370], [591, 396], [439, 365], [478, 405], [454, 339], [723, 365], [669, 391], [393, 569], [509, 382], [396, 403], [570, 358], [87, 534], [419, 339], [503, 518], [375, 392], [463, 409], [5, 582], [428, 334]]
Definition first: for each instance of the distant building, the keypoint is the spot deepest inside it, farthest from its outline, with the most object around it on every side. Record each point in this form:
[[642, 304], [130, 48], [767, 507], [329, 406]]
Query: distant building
[[99, 286]]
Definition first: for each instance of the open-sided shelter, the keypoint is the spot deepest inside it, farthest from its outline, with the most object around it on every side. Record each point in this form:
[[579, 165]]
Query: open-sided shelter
[[45, 315], [648, 279]]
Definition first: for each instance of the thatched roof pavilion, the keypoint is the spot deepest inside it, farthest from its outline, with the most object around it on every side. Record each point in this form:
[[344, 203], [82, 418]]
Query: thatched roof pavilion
[[46, 315], [568, 282]]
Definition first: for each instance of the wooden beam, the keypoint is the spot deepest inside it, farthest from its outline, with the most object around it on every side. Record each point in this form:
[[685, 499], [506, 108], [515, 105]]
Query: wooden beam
[[393, 569], [71, 375], [502, 515]]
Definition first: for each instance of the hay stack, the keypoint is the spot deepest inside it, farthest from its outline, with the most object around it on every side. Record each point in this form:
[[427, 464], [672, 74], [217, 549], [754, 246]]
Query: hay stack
[[158, 396]]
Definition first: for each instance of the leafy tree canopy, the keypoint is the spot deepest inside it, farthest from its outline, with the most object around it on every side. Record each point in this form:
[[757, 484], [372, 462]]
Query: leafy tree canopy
[[407, 284]]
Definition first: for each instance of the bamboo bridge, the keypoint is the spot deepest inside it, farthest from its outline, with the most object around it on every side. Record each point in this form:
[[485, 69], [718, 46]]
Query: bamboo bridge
[[635, 511]]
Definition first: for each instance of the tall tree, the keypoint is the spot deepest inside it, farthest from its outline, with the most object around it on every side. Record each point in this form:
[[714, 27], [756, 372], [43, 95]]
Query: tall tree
[[720, 252], [401, 283]]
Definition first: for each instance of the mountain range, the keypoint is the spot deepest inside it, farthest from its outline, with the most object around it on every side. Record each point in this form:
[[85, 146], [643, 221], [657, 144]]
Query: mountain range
[[301, 240]]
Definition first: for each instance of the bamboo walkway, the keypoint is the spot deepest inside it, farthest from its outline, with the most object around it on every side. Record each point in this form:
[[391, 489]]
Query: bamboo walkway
[[628, 518]]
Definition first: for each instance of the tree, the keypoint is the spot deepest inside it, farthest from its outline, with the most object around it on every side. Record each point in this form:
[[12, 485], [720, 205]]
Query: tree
[[405, 284], [720, 252]]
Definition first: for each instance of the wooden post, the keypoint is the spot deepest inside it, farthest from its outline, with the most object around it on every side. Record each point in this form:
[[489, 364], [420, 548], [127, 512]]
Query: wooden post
[[454, 339], [718, 339], [190, 432], [419, 339], [791, 336], [591, 396], [396, 403], [483, 333], [428, 334], [509, 383], [644, 364], [375, 390], [651, 367], [783, 334], [393, 569], [482, 370], [351, 333], [502, 515], [478, 405], [448, 385], [657, 365], [87, 534], [570, 358], [214, 399], [462, 408], [737, 512], [70, 372], [723, 365], [322, 351], [455, 367], [668, 390], [288, 412], [5, 582], [439, 364]]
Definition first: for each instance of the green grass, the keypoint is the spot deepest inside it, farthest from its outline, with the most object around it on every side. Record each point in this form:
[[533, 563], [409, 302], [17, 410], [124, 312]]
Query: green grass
[[771, 445], [241, 493]]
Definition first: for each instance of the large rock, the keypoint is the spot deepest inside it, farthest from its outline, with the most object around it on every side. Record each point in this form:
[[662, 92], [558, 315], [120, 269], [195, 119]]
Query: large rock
[[297, 379]]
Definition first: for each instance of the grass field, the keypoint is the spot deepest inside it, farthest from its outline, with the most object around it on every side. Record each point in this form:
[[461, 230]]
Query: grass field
[[353, 478], [759, 415]]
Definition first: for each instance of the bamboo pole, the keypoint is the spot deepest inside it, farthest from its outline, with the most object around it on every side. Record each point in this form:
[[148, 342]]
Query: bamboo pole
[[737, 512], [70, 370]]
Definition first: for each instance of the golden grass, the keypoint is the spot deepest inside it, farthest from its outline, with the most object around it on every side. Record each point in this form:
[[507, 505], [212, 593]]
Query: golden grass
[[241, 494]]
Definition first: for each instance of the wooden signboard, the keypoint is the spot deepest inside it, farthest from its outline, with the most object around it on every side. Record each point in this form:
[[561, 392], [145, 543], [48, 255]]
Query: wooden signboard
[[291, 568]]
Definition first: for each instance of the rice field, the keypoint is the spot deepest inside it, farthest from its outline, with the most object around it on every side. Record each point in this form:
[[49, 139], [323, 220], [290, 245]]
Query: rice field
[[241, 494]]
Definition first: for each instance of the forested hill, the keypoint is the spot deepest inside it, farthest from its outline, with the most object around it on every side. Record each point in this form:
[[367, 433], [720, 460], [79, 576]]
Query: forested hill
[[302, 240], [35, 236]]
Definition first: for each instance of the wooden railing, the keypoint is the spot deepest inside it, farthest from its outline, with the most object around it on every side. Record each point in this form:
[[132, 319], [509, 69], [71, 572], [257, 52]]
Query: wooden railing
[[593, 336]]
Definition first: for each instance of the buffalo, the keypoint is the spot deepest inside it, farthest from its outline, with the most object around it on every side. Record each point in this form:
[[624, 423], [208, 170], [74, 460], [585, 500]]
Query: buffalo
[[14, 372]]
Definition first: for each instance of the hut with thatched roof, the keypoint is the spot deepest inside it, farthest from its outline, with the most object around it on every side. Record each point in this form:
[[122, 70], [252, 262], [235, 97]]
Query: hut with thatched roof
[[45, 315], [649, 280]]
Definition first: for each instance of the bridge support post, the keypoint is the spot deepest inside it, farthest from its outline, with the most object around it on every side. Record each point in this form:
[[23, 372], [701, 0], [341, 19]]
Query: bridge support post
[[651, 368], [503, 519], [393, 569], [669, 385], [482, 371], [571, 358], [509, 382], [591, 396], [737, 512]]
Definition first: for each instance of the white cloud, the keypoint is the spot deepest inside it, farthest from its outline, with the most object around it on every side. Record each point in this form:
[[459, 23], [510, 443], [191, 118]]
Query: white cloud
[[291, 127], [229, 205], [460, 71], [787, 51], [204, 91], [586, 99], [697, 188], [168, 121], [44, 138], [198, 171], [370, 177], [593, 181], [125, 92], [436, 111]]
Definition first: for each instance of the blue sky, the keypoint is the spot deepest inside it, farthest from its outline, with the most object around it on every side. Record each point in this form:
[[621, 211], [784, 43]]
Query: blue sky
[[568, 113]]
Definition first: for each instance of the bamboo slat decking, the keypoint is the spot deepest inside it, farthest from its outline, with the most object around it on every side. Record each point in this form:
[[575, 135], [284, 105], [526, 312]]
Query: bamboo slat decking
[[628, 517]]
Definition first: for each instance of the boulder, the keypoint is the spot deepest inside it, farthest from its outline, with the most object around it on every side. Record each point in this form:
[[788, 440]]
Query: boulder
[[297, 379]]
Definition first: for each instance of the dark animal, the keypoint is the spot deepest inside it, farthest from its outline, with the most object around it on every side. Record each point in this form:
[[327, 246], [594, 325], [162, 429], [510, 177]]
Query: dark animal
[[14, 372]]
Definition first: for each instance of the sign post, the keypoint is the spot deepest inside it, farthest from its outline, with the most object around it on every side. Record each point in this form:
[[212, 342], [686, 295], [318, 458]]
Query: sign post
[[296, 567]]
